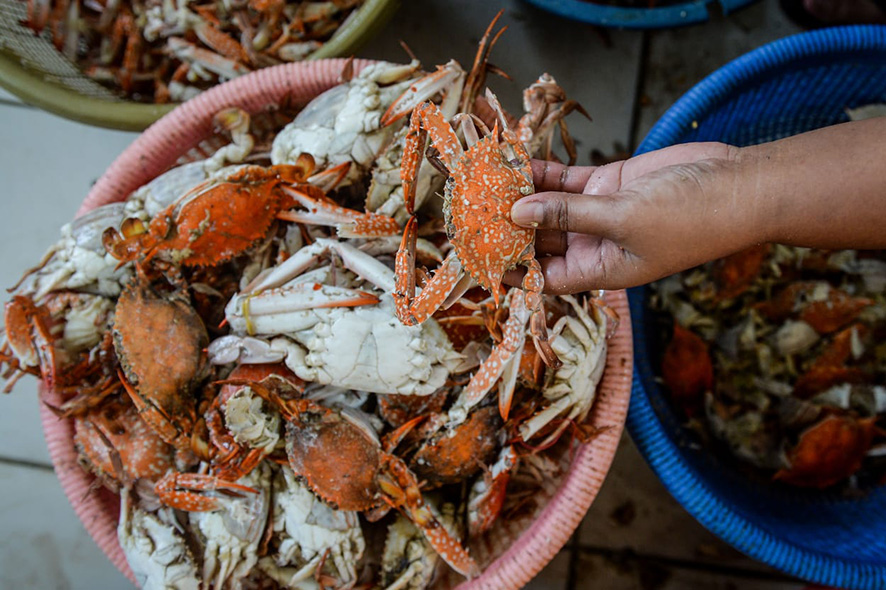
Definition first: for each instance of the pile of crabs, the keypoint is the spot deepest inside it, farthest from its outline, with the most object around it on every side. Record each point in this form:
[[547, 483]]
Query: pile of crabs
[[293, 368], [776, 352], [158, 51]]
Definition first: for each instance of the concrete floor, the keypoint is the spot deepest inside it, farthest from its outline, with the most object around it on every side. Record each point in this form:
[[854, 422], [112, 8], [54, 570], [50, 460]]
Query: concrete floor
[[635, 535]]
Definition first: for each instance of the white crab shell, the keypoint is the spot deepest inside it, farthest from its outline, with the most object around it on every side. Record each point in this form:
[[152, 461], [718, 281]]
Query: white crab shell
[[305, 530], [343, 123], [78, 260], [155, 550], [230, 536]]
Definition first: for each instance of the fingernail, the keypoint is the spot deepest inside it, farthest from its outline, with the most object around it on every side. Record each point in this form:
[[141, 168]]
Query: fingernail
[[528, 213]]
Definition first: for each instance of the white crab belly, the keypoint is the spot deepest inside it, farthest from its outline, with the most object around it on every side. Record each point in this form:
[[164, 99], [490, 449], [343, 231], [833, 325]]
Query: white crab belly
[[357, 351]]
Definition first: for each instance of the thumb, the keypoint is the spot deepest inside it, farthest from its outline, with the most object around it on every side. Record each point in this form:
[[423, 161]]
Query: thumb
[[569, 212]]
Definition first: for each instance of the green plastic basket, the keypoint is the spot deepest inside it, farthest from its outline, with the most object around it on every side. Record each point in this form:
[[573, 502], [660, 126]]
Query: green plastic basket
[[32, 69]]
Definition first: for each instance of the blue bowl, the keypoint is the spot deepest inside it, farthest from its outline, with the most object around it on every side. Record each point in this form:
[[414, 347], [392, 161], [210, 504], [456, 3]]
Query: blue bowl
[[684, 13], [787, 87]]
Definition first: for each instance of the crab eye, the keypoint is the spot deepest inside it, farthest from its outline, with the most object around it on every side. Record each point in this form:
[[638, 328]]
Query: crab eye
[[514, 162]]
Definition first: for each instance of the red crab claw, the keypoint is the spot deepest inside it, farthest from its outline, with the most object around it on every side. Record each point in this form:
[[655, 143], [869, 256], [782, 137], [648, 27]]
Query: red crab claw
[[173, 490], [828, 452], [485, 507], [327, 180], [687, 369], [348, 223], [30, 338]]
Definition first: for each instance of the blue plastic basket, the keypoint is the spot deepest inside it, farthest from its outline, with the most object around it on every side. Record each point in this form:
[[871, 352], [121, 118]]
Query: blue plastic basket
[[787, 87], [684, 13]]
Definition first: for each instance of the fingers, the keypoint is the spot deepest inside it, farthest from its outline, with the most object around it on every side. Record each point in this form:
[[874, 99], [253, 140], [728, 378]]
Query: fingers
[[599, 215], [562, 276], [550, 243], [552, 176]]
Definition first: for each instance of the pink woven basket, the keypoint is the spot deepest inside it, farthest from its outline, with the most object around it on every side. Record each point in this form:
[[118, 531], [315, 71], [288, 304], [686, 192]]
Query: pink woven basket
[[514, 551]]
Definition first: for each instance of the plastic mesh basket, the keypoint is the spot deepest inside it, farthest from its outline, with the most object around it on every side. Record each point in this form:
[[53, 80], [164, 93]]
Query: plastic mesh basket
[[32, 69], [514, 550], [794, 85]]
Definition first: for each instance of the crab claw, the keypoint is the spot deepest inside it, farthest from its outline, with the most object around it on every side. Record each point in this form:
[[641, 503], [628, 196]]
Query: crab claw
[[423, 89], [170, 494], [28, 335], [349, 223], [487, 495], [330, 178]]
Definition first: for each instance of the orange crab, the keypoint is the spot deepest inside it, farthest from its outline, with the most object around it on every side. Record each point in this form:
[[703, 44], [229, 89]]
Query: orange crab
[[221, 218], [484, 181], [454, 455], [119, 447], [363, 475], [687, 369], [230, 460], [161, 344]]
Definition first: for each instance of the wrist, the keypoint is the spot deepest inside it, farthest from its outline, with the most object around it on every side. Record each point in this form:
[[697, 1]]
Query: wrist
[[752, 193]]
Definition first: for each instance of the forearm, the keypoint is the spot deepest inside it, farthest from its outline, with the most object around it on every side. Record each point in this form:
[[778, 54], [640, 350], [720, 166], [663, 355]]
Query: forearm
[[824, 189]]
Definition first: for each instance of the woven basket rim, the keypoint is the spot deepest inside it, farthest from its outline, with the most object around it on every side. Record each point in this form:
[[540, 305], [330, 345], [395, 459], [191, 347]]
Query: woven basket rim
[[127, 115]]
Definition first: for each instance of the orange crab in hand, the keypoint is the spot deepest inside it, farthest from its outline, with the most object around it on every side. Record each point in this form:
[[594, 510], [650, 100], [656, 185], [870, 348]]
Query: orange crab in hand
[[483, 182]]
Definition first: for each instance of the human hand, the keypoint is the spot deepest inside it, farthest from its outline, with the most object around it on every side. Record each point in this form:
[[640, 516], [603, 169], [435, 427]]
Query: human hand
[[635, 221]]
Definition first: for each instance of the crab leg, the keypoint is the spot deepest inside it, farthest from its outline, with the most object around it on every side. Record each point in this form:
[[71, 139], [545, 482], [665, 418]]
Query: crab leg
[[411, 309], [349, 223], [400, 489], [366, 266], [504, 360], [331, 177], [533, 283], [168, 490], [477, 76], [263, 313], [203, 59], [427, 120], [450, 75]]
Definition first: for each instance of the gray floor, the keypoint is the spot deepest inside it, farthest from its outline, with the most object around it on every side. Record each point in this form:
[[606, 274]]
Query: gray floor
[[635, 535]]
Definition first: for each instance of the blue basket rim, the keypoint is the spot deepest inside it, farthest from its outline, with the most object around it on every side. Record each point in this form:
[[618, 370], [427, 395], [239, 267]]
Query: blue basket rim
[[645, 429], [687, 13]]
